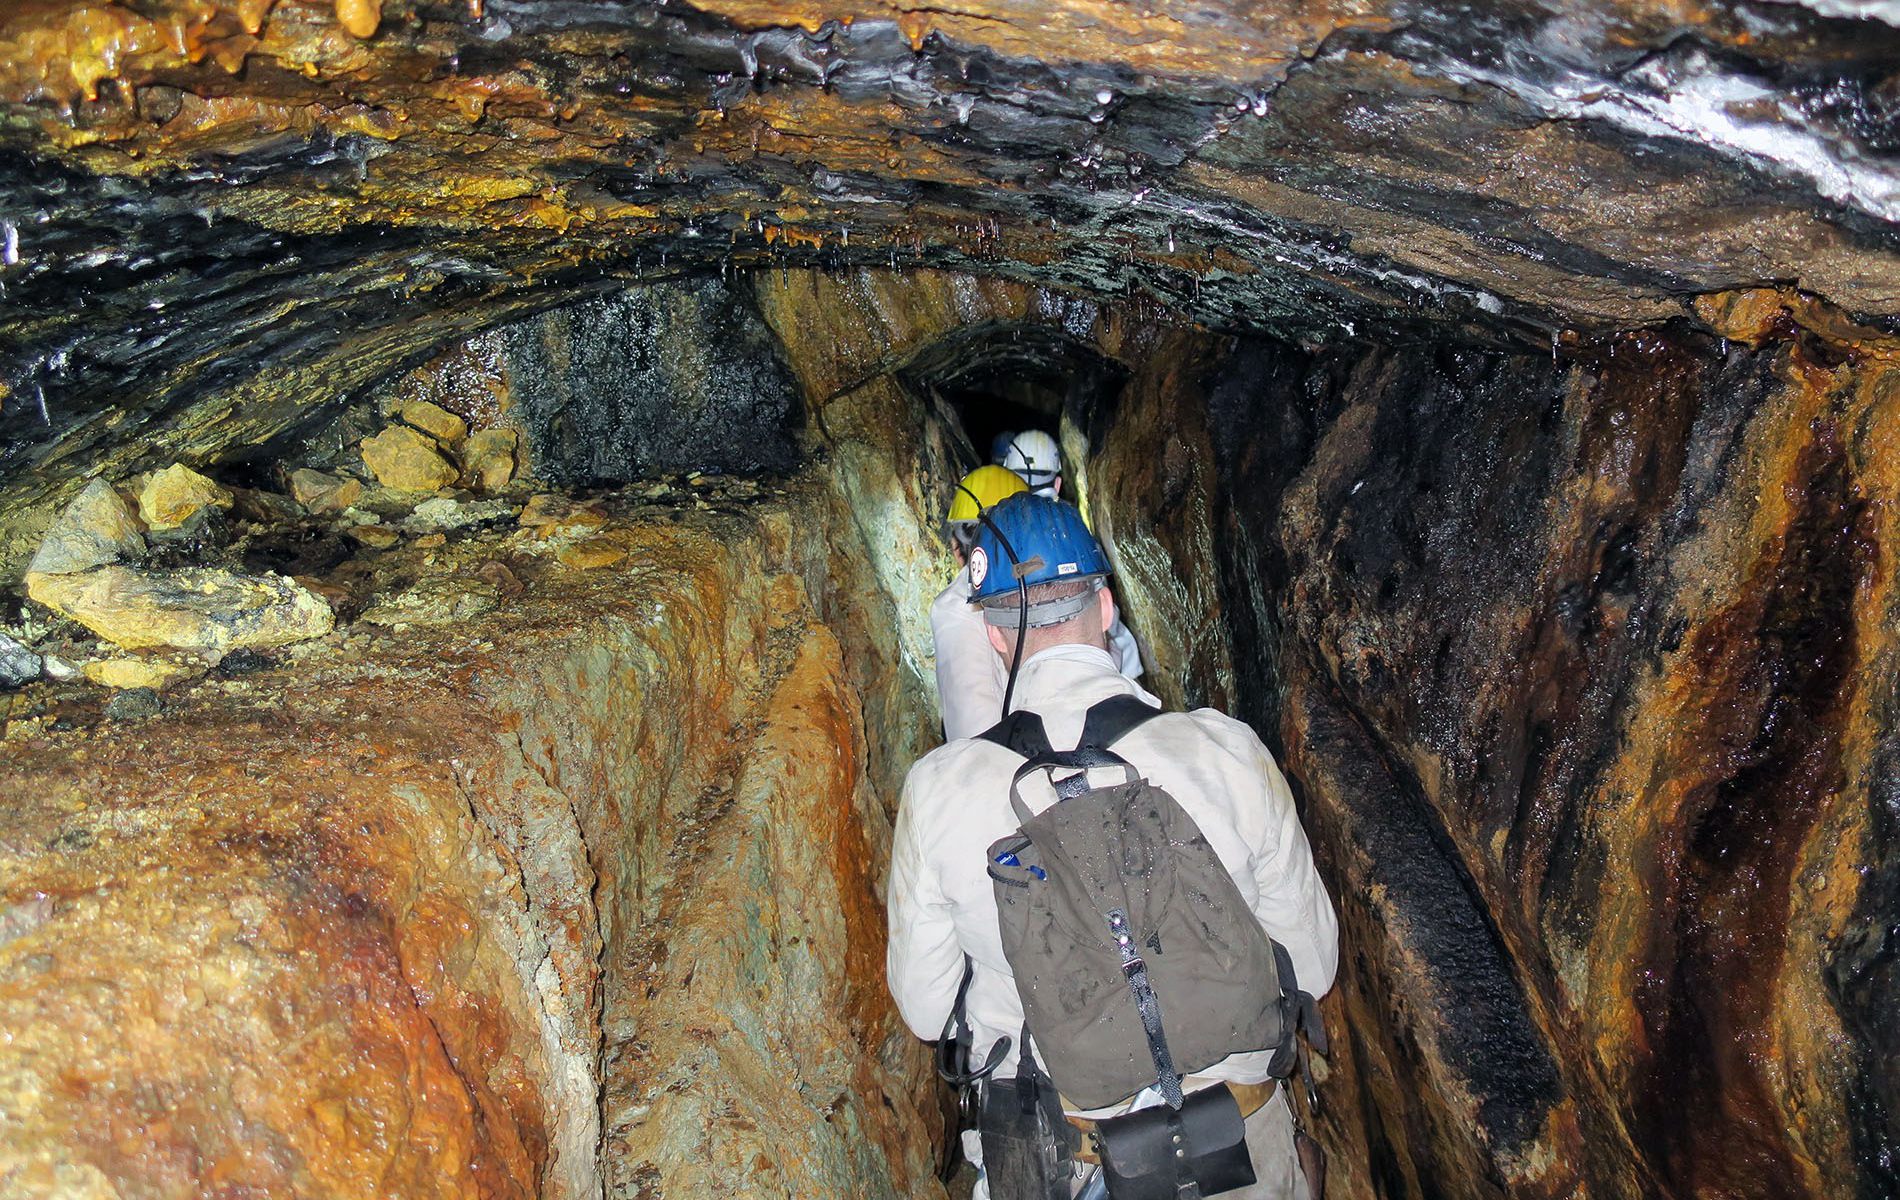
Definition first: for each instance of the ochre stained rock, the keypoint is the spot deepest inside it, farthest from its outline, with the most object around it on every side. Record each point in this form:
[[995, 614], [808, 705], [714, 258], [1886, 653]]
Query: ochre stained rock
[[133, 672], [322, 493], [553, 515], [192, 608], [488, 459], [405, 917], [360, 17], [172, 496], [594, 552], [434, 420], [407, 461], [377, 537], [98, 527]]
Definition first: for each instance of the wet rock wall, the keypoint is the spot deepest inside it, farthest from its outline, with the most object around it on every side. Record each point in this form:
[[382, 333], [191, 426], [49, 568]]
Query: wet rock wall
[[1582, 663], [518, 904]]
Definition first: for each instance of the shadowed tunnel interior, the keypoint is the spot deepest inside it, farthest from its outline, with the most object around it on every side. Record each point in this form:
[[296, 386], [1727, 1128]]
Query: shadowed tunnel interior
[[471, 483]]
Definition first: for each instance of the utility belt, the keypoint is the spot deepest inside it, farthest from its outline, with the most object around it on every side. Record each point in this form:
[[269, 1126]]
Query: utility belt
[[1249, 1098], [1030, 1145]]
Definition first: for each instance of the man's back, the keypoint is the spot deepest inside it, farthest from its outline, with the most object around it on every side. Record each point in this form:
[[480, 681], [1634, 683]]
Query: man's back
[[956, 803]]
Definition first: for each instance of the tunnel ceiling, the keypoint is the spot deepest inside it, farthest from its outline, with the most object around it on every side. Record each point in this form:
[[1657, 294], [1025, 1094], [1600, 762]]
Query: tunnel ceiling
[[197, 193]]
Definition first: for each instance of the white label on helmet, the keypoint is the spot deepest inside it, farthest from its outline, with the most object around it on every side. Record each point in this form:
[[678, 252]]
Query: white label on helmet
[[1067, 568], [979, 567]]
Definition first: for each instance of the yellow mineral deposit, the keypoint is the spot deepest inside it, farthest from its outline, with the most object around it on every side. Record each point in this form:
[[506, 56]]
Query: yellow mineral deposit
[[176, 494], [142, 672], [360, 17], [434, 420], [409, 461]]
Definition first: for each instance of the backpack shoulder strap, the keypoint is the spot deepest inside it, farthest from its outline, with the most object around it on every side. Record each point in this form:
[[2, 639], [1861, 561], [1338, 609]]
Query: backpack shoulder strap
[[1021, 732], [1109, 720], [1104, 722]]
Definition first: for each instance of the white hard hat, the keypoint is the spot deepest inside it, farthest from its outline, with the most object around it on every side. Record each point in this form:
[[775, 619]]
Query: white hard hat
[[1033, 455]]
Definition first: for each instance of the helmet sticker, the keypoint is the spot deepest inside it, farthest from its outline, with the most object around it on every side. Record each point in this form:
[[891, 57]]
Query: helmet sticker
[[1067, 568], [979, 566]]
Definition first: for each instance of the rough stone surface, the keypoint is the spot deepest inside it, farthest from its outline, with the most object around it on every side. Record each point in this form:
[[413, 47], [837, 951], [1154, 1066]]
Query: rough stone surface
[[18, 665], [192, 608], [154, 673], [457, 898], [438, 600], [488, 459], [97, 528], [320, 493], [663, 379], [132, 704], [434, 420], [555, 514], [594, 552], [443, 512], [1583, 668], [174, 495], [407, 461]]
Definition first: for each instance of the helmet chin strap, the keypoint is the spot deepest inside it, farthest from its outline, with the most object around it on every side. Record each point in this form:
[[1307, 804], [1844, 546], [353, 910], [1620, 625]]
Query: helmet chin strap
[[1022, 597]]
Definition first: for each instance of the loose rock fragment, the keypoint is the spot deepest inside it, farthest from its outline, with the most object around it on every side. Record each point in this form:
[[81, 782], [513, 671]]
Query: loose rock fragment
[[243, 662], [135, 704], [434, 420], [488, 459], [506, 582], [376, 537], [195, 608], [557, 514], [407, 461], [264, 507], [96, 528], [437, 600], [594, 552], [140, 672], [320, 492], [172, 496], [359, 17], [444, 513], [18, 665]]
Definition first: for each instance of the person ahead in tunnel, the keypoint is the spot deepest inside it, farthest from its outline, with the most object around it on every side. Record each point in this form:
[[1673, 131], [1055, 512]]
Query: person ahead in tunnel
[[976, 827], [971, 678], [1034, 456]]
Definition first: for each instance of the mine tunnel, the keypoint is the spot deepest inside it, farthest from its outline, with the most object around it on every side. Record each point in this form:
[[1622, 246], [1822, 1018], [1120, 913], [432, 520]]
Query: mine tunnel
[[472, 482]]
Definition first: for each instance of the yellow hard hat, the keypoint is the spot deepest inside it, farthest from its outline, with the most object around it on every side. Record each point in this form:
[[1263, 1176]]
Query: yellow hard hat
[[982, 488]]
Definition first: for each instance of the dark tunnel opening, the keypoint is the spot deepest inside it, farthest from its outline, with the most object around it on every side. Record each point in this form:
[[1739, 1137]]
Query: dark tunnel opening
[[989, 380]]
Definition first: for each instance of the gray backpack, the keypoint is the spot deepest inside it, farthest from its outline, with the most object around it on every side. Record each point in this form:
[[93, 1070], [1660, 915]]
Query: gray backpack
[[1135, 956]]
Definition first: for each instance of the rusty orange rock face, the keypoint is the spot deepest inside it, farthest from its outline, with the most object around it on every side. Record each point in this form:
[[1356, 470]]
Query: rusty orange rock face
[[353, 924]]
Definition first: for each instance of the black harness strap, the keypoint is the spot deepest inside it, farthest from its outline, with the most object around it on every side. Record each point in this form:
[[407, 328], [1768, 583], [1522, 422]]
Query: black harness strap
[[1108, 721], [1021, 733], [1105, 723], [1135, 971]]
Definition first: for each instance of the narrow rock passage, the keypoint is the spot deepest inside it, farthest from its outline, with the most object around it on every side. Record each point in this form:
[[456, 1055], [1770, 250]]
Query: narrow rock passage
[[550, 866]]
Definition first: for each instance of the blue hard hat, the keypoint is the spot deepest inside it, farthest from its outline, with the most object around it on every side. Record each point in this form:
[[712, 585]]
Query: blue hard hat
[[1050, 541], [999, 446]]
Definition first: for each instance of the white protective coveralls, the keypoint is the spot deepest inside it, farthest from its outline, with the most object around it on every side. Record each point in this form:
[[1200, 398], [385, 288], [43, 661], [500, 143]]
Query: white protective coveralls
[[956, 803], [971, 675]]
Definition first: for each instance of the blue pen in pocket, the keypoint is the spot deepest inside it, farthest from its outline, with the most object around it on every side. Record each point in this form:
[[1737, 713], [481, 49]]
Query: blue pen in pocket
[[1008, 859]]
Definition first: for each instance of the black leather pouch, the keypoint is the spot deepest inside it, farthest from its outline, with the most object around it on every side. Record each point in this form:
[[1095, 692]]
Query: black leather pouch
[[1154, 1153]]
